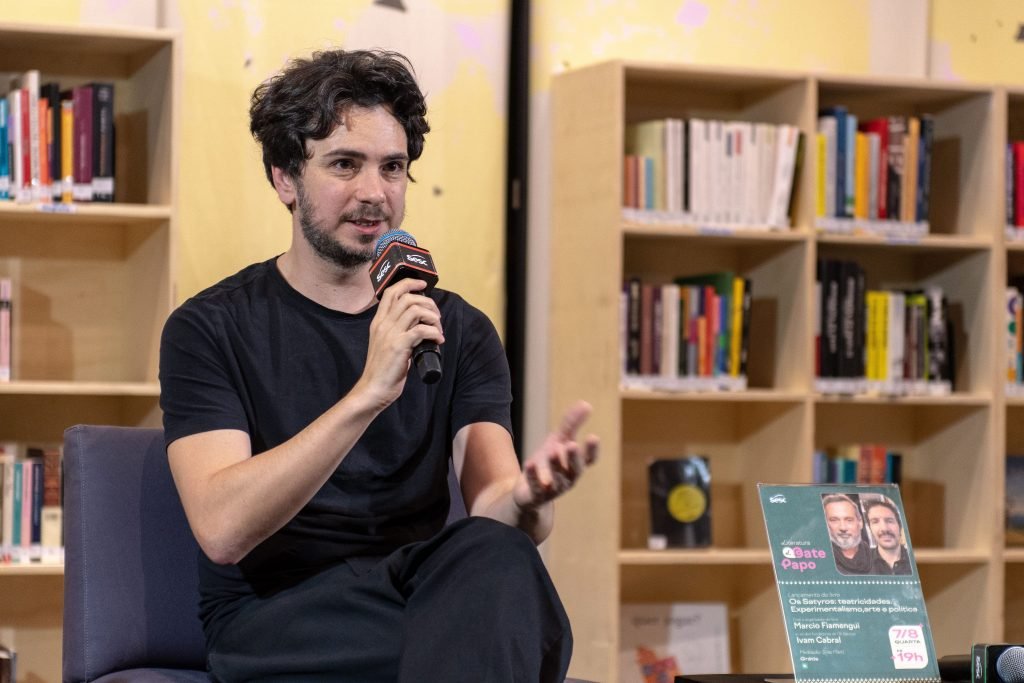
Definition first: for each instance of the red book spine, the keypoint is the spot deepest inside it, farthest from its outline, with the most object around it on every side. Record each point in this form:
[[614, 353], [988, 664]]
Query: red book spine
[[1018, 180]]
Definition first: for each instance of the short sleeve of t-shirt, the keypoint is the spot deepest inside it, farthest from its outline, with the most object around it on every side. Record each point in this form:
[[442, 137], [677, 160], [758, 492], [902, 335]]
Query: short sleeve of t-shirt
[[197, 390], [482, 391]]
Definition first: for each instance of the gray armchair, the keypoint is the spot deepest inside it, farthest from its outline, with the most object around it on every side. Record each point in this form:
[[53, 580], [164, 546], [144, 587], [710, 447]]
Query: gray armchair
[[130, 576]]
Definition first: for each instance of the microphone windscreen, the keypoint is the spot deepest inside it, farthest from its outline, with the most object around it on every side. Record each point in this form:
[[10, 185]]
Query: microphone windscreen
[[1010, 665], [393, 236]]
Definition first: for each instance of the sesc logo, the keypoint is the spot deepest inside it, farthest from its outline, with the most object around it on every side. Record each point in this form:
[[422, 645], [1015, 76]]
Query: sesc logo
[[384, 270], [777, 498], [417, 259]]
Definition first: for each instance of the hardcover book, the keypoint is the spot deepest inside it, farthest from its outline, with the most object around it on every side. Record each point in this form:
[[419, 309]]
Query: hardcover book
[[849, 587], [658, 641]]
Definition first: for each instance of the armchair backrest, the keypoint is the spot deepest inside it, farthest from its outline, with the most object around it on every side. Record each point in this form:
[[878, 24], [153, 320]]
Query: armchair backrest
[[130, 571]]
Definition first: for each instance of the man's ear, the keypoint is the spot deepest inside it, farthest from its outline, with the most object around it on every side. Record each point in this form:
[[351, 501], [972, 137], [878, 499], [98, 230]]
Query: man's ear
[[285, 186]]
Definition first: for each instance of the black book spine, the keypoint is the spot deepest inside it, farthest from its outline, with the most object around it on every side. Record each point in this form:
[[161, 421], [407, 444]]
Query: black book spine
[[103, 142]]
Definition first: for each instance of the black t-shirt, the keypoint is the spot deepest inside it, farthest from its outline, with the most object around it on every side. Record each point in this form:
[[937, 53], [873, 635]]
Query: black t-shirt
[[253, 354]]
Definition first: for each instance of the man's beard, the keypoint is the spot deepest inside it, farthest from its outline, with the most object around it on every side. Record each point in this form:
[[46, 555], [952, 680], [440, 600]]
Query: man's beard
[[887, 540], [846, 543], [326, 246]]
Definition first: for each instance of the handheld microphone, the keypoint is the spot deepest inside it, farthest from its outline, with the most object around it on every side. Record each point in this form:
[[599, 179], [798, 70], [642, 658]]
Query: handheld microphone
[[985, 664], [397, 258]]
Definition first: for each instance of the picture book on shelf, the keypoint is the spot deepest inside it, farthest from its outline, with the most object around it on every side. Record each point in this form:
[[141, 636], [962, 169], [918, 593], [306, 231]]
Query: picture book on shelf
[[658, 641]]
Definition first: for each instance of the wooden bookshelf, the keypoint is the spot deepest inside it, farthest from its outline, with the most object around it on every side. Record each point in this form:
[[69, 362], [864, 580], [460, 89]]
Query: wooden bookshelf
[[93, 283], [954, 446]]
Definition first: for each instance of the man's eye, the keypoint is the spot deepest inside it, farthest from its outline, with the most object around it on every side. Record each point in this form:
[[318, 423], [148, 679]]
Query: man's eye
[[344, 164], [394, 168]]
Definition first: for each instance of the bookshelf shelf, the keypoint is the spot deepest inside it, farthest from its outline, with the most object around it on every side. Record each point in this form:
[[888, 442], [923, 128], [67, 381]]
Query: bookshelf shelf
[[92, 282], [953, 445], [634, 229], [925, 244], [711, 556], [43, 388], [977, 399], [33, 569], [16, 215], [748, 396]]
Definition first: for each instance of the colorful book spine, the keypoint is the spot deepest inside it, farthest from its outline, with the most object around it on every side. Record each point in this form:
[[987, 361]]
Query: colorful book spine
[[5, 159]]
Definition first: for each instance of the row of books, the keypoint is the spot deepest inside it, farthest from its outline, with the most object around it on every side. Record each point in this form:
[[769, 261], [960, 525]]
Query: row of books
[[893, 341], [692, 334], [31, 504], [712, 172], [867, 463], [56, 145], [879, 169]]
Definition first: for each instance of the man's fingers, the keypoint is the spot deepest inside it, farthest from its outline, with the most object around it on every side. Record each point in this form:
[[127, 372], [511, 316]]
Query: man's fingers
[[573, 419], [590, 449]]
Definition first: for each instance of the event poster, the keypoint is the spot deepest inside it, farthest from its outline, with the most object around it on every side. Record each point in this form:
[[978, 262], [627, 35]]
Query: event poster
[[850, 590]]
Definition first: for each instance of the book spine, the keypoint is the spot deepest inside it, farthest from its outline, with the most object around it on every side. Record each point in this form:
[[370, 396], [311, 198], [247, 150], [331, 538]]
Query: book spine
[[82, 97], [851, 158], [36, 507], [840, 192], [102, 142], [17, 491], [745, 333], [821, 149], [897, 131], [736, 327], [14, 142], [861, 187], [5, 159], [30, 84], [1012, 332], [6, 503], [908, 206], [924, 167], [1018, 185], [6, 329], [67, 151], [633, 289], [50, 92], [25, 130], [1010, 204]]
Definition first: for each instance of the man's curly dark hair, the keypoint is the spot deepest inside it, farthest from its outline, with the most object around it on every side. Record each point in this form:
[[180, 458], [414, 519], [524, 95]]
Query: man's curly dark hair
[[307, 99]]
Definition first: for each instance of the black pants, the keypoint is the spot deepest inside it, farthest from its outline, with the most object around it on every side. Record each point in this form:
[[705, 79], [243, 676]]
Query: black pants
[[472, 604]]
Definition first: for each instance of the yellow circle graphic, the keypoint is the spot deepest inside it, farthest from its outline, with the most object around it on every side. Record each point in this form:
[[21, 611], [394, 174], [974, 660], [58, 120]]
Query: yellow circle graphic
[[687, 503]]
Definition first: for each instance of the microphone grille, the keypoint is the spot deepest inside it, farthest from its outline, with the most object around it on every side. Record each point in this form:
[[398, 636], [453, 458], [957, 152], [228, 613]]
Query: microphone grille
[[393, 236], [1010, 664]]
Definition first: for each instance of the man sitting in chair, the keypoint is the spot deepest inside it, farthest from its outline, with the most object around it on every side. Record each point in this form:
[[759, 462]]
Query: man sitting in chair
[[312, 465]]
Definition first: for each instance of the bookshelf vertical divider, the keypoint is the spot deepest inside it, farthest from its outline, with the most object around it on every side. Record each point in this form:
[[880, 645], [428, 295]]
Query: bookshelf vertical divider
[[954, 445], [93, 283]]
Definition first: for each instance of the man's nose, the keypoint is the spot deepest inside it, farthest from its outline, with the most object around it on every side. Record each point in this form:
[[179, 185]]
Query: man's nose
[[370, 188]]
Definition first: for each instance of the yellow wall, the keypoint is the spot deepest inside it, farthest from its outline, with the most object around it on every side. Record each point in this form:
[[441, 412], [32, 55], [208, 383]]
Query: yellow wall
[[229, 215]]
